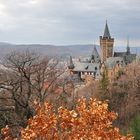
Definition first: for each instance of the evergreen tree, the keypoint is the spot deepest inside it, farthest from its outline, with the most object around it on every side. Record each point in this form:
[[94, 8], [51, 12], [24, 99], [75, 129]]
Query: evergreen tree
[[104, 85]]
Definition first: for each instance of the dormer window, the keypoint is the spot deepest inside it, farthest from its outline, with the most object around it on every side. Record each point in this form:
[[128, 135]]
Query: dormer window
[[96, 68]]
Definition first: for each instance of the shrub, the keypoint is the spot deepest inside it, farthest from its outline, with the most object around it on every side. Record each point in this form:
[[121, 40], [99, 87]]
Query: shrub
[[90, 120]]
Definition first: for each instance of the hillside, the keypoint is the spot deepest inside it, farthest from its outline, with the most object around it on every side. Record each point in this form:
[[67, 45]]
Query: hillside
[[53, 50]]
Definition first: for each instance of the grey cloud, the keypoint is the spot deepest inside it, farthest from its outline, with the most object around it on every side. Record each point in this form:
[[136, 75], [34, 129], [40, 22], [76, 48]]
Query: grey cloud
[[67, 22]]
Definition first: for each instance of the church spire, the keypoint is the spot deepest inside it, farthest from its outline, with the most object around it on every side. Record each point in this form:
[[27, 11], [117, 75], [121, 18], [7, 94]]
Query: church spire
[[106, 32]]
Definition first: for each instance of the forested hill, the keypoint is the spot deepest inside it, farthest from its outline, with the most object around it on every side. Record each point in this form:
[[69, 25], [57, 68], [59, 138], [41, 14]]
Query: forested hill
[[54, 50]]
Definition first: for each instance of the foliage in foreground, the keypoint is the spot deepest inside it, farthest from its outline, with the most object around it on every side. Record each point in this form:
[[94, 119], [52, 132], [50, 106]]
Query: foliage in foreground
[[91, 120]]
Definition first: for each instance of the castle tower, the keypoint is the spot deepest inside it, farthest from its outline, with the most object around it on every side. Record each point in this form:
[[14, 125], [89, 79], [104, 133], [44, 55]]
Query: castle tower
[[106, 43]]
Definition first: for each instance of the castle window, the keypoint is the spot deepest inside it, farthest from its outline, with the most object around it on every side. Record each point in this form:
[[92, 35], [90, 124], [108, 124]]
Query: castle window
[[95, 68]]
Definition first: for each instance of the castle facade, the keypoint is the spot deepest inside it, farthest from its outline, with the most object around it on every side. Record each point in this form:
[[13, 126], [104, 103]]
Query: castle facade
[[95, 65]]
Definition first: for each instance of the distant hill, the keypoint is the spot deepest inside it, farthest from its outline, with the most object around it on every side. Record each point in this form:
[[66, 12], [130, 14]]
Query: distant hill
[[53, 50], [133, 49], [50, 50]]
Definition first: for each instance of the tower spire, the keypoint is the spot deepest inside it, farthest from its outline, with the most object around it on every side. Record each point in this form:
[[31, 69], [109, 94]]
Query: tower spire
[[71, 65], [106, 31], [128, 47], [127, 42], [95, 56]]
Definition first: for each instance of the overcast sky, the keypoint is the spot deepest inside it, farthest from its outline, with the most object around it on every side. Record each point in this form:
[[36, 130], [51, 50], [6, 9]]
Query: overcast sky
[[69, 21]]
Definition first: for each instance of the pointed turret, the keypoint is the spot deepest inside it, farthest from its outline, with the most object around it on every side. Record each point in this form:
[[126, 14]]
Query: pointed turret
[[71, 65], [95, 56], [106, 32], [127, 48]]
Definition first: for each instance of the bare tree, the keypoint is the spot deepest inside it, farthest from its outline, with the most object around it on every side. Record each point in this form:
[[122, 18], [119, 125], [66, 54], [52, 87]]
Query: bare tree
[[25, 76]]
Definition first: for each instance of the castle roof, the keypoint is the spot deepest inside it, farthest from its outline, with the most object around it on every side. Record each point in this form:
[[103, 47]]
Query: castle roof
[[112, 61], [119, 54], [106, 32], [71, 65], [86, 67], [95, 55]]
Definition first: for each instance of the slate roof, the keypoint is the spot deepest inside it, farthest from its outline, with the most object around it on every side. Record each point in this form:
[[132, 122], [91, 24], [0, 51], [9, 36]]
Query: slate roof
[[86, 67], [106, 32], [112, 61], [95, 56], [128, 57], [119, 54]]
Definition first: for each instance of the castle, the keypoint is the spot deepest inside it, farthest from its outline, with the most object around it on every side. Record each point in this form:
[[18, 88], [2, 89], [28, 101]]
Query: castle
[[95, 64]]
